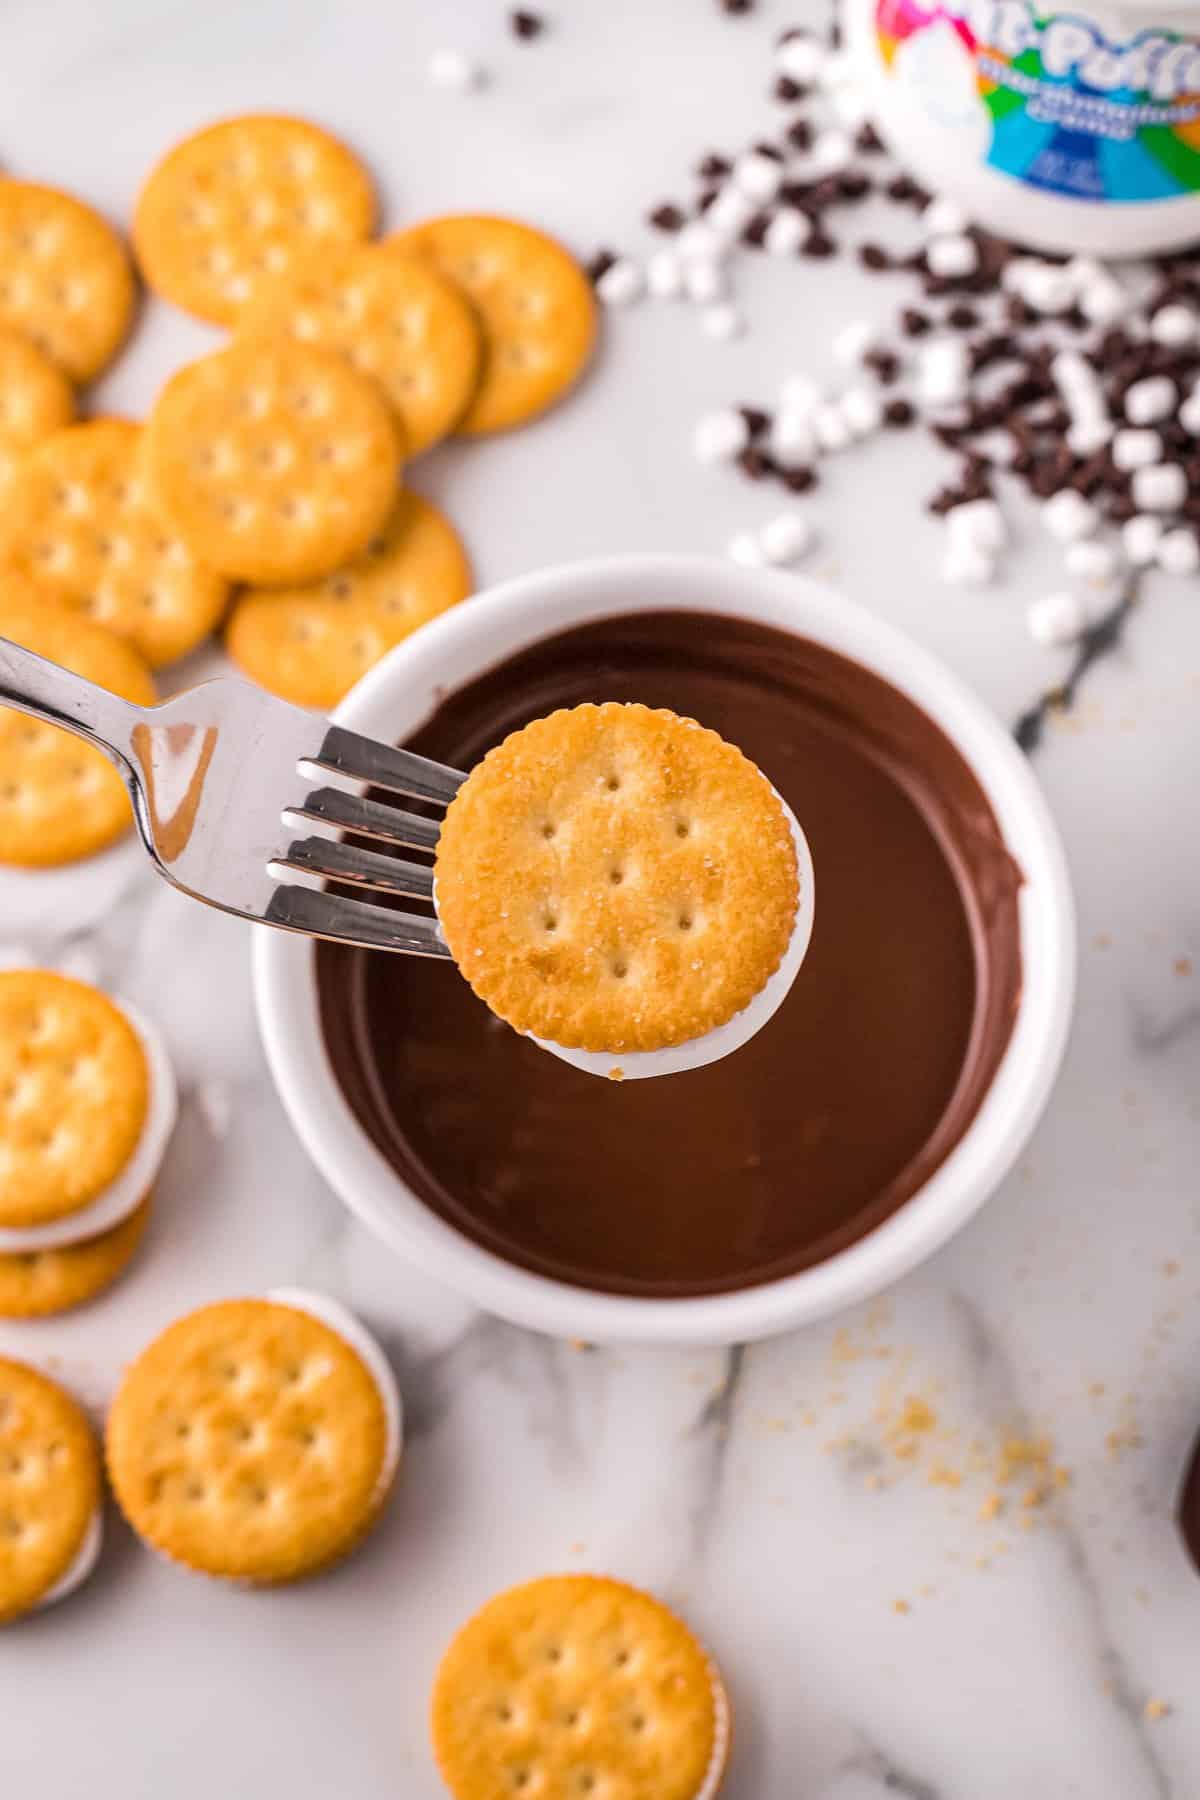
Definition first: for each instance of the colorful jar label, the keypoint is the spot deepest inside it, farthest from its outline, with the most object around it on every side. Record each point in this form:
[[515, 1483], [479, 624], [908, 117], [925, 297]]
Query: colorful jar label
[[1049, 98]]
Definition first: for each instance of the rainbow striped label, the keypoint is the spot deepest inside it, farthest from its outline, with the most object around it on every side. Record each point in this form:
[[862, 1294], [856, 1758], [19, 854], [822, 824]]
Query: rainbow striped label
[[1049, 98]]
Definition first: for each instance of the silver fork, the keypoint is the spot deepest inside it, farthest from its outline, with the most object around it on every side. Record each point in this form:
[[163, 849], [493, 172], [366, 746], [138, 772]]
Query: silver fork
[[214, 775]]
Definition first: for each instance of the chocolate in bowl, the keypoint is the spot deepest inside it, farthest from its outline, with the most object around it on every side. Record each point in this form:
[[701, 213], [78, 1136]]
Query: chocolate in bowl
[[835, 1114]]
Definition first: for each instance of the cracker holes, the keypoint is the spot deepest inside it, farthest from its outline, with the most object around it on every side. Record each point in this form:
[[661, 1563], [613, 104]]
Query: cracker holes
[[618, 968], [549, 830], [616, 875], [683, 828]]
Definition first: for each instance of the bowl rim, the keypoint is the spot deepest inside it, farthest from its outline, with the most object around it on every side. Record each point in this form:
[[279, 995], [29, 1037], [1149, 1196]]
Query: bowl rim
[[405, 687]]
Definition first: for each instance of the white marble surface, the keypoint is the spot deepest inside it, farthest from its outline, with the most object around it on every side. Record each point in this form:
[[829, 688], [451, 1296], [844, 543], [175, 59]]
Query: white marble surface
[[763, 1493]]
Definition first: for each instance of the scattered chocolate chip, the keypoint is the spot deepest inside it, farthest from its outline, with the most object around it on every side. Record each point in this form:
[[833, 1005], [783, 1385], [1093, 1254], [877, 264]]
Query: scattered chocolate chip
[[705, 198], [874, 257], [599, 265], [755, 230], [914, 323], [944, 501], [1017, 312], [820, 244], [905, 190], [800, 135], [668, 217], [788, 91], [899, 413], [736, 6], [884, 365], [755, 463], [713, 167], [852, 184], [790, 35], [527, 24], [764, 147], [868, 141], [962, 317], [757, 421], [799, 480]]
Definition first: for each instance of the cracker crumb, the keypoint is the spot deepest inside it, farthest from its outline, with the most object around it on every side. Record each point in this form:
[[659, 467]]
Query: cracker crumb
[[1156, 1709], [901, 1606], [991, 1508]]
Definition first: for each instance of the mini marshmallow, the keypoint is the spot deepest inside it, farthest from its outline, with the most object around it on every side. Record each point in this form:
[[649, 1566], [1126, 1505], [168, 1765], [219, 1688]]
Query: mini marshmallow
[[746, 550], [1067, 516], [1089, 560], [1057, 619], [1178, 551], [704, 281], [942, 371], [979, 525], [966, 566], [759, 177], [1189, 415], [664, 275], [792, 440], [1148, 401], [1140, 538], [621, 284], [722, 322], [1173, 325], [1047, 288], [952, 257], [854, 340], [852, 105], [830, 427], [786, 538], [839, 70], [831, 153], [1088, 434], [1103, 300], [862, 409], [730, 212], [1073, 374], [698, 243], [720, 436], [944, 218], [1160, 488], [452, 70], [800, 394], [789, 231], [1136, 447], [801, 59]]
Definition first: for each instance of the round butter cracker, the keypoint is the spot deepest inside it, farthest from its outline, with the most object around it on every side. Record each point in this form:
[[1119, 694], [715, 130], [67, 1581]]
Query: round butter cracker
[[275, 462], [65, 280], [242, 202], [248, 1441], [50, 1493], [579, 1685], [616, 878], [61, 799], [35, 399], [534, 303], [311, 644], [35, 1284], [394, 318]]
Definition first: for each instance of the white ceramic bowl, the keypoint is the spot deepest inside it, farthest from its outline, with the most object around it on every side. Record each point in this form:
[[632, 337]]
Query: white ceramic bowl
[[397, 695]]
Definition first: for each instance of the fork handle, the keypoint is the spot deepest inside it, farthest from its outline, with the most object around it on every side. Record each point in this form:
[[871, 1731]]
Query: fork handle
[[35, 685]]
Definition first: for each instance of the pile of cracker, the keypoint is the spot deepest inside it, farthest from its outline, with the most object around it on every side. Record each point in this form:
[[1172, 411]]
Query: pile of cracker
[[265, 493]]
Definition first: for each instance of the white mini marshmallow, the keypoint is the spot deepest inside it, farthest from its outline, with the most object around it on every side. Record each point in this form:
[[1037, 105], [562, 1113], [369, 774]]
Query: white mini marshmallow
[[1091, 560], [722, 322], [664, 275], [759, 177], [800, 394], [1057, 618], [788, 232], [1088, 434], [621, 285], [952, 257], [792, 440], [1140, 538], [830, 428], [1189, 415], [1067, 515], [786, 538], [944, 218], [1073, 374], [731, 211], [862, 409], [832, 152], [854, 340], [1173, 325], [840, 70], [697, 242], [1047, 288], [1178, 551], [1160, 488], [801, 59], [746, 549], [942, 371], [1150, 400], [1103, 300], [1136, 447], [966, 566], [979, 524], [720, 436], [704, 281], [455, 71], [852, 105]]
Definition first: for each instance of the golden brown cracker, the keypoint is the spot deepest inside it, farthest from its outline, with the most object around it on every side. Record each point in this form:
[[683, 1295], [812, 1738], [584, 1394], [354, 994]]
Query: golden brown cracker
[[311, 644], [66, 282], [60, 799], [275, 462], [535, 305], [243, 201], [35, 399], [249, 1441], [395, 318], [615, 878], [35, 1284], [81, 520], [74, 1095], [576, 1684], [49, 1486]]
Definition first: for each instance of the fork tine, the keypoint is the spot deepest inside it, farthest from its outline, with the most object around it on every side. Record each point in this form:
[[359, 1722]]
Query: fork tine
[[382, 765], [366, 868], [370, 818], [325, 915]]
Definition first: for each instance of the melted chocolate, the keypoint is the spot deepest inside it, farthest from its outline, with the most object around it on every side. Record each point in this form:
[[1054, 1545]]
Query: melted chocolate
[[840, 1108]]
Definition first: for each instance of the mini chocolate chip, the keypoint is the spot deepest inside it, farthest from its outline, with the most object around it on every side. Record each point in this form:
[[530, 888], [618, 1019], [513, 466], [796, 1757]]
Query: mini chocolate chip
[[800, 134], [705, 198], [757, 421], [755, 463], [755, 230], [790, 35], [884, 365], [527, 24], [874, 257], [800, 479], [962, 317], [852, 184], [788, 91], [713, 167], [599, 265], [765, 148], [736, 6], [668, 217], [901, 188], [944, 501], [868, 141], [899, 413], [914, 323], [1017, 312], [820, 244]]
